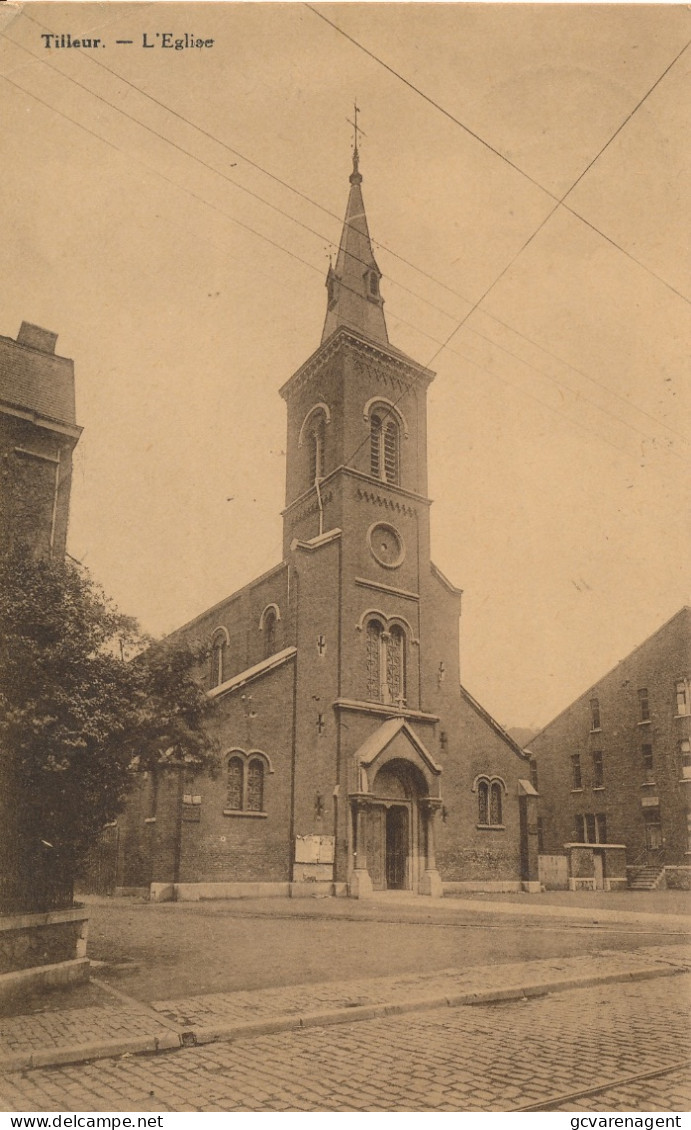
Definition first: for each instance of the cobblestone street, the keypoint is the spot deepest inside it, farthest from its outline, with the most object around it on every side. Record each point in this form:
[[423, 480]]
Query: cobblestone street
[[501, 1057]]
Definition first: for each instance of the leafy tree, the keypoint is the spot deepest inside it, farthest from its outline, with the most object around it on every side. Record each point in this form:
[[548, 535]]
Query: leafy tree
[[74, 718]]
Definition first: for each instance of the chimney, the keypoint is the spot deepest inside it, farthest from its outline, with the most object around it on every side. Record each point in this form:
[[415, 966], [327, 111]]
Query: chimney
[[36, 338]]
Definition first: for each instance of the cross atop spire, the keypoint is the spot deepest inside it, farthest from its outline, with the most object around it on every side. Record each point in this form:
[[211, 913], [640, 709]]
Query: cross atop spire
[[353, 284], [355, 177]]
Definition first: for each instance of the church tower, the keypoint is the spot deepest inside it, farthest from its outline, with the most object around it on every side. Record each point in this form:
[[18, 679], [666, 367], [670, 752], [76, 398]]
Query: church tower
[[351, 759], [357, 481]]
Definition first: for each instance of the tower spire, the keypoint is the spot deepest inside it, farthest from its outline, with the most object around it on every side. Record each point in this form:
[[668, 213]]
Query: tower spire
[[354, 299]]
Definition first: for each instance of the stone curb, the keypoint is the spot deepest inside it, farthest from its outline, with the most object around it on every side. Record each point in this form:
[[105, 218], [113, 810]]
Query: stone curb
[[167, 1040]]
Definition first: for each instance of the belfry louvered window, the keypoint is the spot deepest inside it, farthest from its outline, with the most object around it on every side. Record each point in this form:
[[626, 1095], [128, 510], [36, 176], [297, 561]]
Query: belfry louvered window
[[391, 452], [317, 448]]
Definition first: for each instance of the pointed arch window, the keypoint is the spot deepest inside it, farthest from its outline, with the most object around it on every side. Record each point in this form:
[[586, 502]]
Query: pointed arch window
[[384, 448]]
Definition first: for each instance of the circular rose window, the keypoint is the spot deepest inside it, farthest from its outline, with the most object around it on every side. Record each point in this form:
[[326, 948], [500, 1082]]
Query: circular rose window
[[386, 545]]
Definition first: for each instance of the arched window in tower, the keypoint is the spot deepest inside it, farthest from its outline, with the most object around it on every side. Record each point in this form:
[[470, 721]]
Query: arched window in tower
[[391, 452], [317, 448], [373, 284], [384, 447], [495, 803], [255, 785], [395, 666], [269, 633], [234, 783], [375, 446], [375, 641]]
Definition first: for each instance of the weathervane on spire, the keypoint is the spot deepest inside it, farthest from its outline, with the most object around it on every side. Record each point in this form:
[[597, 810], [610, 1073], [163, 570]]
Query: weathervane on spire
[[357, 132]]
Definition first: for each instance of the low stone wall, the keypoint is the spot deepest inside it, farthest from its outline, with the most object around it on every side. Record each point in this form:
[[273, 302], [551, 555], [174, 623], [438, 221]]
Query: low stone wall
[[28, 940], [42, 948], [678, 878]]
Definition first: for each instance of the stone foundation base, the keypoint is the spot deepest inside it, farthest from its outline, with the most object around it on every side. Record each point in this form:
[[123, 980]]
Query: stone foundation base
[[195, 892], [360, 886], [496, 886], [616, 884], [431, 884], [317, 889], [531, 886]]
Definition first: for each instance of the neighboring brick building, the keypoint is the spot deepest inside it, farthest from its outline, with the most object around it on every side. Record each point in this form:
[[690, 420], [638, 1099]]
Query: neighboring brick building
[[350, 757], [38, 433], [615, 771]]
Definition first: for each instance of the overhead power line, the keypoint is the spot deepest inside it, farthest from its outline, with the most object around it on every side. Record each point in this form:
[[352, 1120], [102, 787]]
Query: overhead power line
[[285, 184], [311, 266]]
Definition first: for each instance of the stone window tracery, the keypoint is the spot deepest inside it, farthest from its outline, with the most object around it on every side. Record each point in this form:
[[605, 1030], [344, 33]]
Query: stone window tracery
[[245, 780], [386, 663]]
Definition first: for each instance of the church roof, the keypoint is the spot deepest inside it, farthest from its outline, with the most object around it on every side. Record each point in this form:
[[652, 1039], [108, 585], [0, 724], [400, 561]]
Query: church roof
[[353, 284]]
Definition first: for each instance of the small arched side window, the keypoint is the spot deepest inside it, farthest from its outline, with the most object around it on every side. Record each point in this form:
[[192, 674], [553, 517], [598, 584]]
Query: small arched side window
[[218, 647], [495, 803], [255, 785], [245, 780], [489, 802]]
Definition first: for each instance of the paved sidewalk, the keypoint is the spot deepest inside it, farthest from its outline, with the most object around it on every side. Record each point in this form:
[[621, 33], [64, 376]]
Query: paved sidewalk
[[122, 1025]]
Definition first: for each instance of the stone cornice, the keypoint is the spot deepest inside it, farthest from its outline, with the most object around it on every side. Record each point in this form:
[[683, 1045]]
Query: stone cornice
[[391, 358]]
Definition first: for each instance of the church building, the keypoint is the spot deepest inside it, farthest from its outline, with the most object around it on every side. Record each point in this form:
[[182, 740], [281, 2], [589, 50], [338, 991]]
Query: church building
[[351, 759]]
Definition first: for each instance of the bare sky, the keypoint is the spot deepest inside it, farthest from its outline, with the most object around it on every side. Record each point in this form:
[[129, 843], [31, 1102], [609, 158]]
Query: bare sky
[[558, 426]]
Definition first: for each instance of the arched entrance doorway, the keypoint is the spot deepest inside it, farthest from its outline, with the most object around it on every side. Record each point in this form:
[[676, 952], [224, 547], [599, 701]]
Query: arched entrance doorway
[[394, 835]]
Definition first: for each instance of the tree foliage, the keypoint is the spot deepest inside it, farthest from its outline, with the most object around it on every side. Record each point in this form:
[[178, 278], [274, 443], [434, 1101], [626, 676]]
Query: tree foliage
[[75, 715]]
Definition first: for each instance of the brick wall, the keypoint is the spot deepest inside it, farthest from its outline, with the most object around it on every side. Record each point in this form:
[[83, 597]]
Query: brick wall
[[655, 666]]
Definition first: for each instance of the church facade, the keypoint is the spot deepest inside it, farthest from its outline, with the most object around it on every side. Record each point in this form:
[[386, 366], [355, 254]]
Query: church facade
[[351, 759]]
